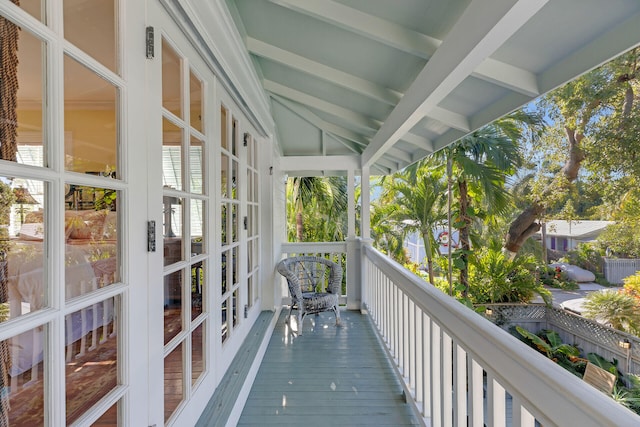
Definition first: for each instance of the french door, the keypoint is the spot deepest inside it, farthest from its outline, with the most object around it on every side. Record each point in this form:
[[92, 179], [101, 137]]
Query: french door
[[70, 282], [182, 137], [203, 193]]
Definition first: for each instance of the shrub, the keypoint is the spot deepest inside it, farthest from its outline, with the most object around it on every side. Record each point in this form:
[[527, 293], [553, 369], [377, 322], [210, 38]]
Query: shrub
[[550, 344], [556, 279], [632, 286], [587, 256], [621, 238], [617, 309], [494, 278]]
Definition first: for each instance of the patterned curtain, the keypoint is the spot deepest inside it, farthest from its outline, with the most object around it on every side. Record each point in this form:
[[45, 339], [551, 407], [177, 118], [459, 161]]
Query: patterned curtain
[[8, 88], [8, 148]]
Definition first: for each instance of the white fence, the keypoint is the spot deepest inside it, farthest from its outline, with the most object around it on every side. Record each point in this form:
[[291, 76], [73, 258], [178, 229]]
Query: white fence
[[459, 369], [616, 269]]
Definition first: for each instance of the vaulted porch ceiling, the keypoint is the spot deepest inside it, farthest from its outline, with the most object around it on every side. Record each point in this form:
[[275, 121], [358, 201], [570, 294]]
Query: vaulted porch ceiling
[[393, 81]]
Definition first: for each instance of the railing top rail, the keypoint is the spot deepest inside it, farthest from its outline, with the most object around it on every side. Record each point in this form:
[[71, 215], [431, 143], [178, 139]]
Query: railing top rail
[[551, 393], [313, 247]]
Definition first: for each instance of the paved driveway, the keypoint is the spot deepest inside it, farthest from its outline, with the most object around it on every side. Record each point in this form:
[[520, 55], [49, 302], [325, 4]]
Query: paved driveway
[[573, 300]]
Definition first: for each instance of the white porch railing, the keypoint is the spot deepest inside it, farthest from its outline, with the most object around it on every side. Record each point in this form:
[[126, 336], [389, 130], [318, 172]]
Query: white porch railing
[[459, 369]]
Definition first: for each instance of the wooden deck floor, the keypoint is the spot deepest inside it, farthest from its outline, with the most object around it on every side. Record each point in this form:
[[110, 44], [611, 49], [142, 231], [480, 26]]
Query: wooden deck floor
[[329, 376]]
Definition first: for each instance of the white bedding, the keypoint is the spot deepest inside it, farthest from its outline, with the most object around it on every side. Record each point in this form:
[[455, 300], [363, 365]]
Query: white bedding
[[26, 293]]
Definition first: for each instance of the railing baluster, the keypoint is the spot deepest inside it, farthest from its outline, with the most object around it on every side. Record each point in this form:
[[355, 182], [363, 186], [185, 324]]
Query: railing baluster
[[405, 334], [520, 416], [476, 392], [436, 372], [426, 365], [496, 409], [419, 359], [412, 353], [447, 380], [394, 327], [460, 387]]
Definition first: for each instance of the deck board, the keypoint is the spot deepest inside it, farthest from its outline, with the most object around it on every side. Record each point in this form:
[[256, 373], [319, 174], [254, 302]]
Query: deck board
[[328, 376]]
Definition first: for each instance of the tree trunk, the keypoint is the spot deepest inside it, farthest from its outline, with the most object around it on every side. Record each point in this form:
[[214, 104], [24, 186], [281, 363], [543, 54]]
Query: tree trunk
[[576, 155], [525, 225], [299, 227], [545, 257], [464, 231], [428, 252], [522, 228], [627, 106]]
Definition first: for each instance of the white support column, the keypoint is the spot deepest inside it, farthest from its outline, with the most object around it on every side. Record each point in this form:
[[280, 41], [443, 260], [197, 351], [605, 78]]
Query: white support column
[[365, 233], [354, 273], [365, 195], [351, 206]]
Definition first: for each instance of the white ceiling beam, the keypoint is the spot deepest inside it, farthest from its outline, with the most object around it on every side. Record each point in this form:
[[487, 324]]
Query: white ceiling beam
[[342, 134], [419, 141], [323, 72], [352, 146], [366, 25], [400, 155], [454, 120], [319, 163], [482, 28], [358, 120], [305, 114], [409, 41], [388, 164], [345, 80], [507, 76]]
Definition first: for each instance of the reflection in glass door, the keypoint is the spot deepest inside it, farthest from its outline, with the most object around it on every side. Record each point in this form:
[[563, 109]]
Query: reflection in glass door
[[56, 270], [230, 234], [184, 207]]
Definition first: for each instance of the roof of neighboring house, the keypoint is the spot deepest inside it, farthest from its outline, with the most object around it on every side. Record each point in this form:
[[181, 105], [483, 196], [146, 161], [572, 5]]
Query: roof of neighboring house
[[577, 228]]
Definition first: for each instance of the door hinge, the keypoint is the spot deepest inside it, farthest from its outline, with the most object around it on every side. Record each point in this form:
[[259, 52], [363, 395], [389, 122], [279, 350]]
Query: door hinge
[[151, 236], [150, 43]]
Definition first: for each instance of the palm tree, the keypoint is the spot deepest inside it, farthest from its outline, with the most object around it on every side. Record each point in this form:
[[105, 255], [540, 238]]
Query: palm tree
[[619, 310], [480, 163], [323, 201], [416, 197], [388, 235]]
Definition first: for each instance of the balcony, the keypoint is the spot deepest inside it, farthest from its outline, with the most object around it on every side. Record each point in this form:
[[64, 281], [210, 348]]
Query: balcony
[[410, 341]]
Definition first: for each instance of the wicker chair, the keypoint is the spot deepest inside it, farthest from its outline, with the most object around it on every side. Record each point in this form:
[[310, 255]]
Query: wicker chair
[[314, 285]]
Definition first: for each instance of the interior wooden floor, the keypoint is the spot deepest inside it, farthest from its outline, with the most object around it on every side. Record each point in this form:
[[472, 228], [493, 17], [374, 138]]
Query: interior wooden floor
[[90, 376]]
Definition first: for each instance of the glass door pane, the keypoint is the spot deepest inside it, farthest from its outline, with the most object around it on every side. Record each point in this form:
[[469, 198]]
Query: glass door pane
[[184, 207]]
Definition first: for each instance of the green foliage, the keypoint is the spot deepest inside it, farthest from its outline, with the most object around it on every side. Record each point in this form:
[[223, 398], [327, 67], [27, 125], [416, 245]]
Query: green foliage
[[494, 278], [627, 388], [550, 344], [587, 256], [622, 238], [412, 200], [601, 362], [617, 309], [7, 199], [317, 209], [632, 286], [556, 279]]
